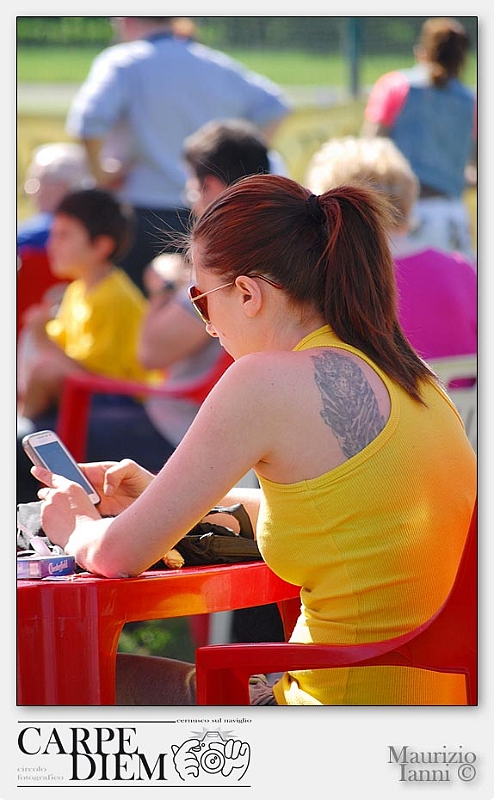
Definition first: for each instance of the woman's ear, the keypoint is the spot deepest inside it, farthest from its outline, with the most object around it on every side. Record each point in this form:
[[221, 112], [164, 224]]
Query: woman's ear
[[250, 294]]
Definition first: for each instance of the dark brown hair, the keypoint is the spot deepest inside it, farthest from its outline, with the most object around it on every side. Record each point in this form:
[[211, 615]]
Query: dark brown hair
[[228, 149], [101, 215], [445, 44], [330, 252]]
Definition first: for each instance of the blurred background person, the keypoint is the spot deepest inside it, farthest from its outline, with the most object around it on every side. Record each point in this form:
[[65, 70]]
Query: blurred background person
[[54, 170], [172, 338], [165, 275], [430, 114], [142, 97], [95, 329], [437, 291], [218, 154], [185, 27], [99, 318]]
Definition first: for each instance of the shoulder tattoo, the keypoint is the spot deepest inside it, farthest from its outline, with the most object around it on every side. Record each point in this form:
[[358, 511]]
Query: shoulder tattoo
[[349, 405]]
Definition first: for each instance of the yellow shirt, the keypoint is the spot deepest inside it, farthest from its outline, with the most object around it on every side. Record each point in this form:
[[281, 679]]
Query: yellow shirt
[[99, 328], [375, 545]]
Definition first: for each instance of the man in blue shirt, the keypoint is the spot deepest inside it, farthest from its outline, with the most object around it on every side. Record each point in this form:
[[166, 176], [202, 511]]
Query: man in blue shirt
[[141, 99]]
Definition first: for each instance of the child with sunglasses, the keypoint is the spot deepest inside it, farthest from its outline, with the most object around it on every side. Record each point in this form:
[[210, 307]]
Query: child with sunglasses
[[367, 479]]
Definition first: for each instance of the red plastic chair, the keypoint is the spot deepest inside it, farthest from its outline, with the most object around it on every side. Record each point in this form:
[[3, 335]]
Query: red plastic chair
[[74, 406], [445, 643], [34, 278]]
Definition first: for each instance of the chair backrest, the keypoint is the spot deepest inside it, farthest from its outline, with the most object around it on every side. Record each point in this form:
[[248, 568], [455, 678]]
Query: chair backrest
[[445, 643], [449, 642], [459, 375]]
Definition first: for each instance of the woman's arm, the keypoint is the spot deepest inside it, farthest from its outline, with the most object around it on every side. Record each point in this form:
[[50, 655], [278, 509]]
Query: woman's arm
[[225, 440]]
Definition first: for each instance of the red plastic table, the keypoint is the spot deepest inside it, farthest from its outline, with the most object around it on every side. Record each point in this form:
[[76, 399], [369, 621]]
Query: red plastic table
[[68, 629]]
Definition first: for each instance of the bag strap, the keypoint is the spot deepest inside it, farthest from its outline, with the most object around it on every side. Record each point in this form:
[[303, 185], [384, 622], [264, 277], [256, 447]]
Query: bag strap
[[238, 511]]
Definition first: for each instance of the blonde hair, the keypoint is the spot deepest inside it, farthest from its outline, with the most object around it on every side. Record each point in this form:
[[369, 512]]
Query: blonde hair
[[375, 162]]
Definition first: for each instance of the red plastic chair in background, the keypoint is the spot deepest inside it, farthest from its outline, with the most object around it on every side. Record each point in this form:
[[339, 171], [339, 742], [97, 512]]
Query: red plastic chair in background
[[74, 407], [34, 278], [445, 643]]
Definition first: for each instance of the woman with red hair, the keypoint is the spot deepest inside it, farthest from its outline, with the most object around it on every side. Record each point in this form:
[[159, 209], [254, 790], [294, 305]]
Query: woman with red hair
[[367, 479]]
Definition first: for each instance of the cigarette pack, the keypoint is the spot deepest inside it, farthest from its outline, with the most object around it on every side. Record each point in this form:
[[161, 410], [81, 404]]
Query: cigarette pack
[[35, 566]]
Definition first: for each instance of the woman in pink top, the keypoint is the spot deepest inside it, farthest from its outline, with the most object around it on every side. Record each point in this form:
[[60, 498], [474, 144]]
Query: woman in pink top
[[437, 290]]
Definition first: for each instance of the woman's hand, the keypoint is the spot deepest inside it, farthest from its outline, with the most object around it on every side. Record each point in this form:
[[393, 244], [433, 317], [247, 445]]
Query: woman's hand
[[64, 504], [118, 483]]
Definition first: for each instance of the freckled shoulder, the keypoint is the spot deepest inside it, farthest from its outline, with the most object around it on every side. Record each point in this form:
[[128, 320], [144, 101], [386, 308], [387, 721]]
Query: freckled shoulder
[[258, 373]]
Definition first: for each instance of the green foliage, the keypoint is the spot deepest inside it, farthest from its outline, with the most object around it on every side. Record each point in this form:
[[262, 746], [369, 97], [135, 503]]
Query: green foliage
[[311, 34], [64, 31], [169, 638]]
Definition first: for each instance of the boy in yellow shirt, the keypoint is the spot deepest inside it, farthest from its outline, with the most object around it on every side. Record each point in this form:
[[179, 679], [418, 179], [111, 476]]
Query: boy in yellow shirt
[[97, 324]]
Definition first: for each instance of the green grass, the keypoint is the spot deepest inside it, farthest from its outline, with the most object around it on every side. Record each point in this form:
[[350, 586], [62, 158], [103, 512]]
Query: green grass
[[70, 65], [293, 68], [170, 638], [54, 64]]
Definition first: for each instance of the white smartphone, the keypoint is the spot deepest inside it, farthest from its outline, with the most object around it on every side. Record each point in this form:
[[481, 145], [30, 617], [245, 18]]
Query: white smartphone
[[45, 449]]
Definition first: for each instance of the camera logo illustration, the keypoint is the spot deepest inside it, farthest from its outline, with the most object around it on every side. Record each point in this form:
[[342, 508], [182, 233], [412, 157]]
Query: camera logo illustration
[[215, 754]]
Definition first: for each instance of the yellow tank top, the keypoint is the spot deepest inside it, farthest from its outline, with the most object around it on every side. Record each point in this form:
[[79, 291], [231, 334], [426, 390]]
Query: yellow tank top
[[375, 545]]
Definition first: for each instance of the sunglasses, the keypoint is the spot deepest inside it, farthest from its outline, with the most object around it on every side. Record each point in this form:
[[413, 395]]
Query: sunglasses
[[200, 302]]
